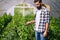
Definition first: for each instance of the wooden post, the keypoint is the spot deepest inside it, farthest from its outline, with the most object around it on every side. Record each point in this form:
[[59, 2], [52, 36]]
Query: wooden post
[[24, 8]]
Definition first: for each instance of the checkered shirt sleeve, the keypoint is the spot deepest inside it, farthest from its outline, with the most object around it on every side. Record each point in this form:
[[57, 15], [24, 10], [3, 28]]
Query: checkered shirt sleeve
[[47, 17]]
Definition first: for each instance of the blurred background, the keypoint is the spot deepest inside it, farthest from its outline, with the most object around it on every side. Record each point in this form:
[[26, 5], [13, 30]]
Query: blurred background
[[9, 5]]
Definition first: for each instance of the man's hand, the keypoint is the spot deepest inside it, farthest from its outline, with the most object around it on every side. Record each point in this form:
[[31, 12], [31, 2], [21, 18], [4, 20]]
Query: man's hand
[[45, 34], [28, 23]]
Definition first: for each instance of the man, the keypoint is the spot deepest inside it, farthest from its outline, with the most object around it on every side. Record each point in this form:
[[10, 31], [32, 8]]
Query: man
[[41, 20]]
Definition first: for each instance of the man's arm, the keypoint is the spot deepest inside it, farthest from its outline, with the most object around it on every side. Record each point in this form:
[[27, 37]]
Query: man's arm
[[47, 23], [45, 33], [30, 22]]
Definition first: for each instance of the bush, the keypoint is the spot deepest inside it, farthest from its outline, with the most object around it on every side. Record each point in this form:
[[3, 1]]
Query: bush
[[4, 20]]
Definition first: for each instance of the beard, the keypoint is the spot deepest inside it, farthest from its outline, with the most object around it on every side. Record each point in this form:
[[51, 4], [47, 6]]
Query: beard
[[39, 7]]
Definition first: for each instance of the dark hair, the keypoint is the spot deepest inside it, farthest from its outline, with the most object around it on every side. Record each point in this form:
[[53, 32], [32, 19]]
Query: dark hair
[[40, 1]]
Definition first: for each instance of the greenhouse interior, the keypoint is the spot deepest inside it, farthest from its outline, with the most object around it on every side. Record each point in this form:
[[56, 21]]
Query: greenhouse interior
[[15, 13]]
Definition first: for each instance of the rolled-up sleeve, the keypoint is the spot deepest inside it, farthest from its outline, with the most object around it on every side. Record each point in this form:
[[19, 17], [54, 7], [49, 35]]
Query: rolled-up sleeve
[[47, 16]]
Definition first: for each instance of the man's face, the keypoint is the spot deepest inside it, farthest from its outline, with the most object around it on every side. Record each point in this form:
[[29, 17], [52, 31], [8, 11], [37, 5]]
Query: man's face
[[38, 4]]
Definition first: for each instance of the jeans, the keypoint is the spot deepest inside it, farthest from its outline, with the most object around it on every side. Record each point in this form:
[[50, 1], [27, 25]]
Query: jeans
[[39, 36]]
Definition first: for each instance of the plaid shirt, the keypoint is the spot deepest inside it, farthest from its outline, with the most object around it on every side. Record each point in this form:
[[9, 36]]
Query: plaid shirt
[[42, 16]]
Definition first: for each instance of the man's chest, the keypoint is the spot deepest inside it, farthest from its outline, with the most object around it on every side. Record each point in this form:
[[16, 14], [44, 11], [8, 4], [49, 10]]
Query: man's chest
[[40, 14]]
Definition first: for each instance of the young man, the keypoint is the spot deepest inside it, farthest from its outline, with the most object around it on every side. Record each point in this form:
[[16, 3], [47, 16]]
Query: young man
[[41, 20]]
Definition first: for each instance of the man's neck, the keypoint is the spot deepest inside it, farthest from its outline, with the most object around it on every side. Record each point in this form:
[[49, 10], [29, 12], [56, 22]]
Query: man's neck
[[42, 5], [39, 7]]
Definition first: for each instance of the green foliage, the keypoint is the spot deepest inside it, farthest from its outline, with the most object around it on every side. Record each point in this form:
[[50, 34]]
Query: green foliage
[[16, 29], [4, 20], [54, 32]]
